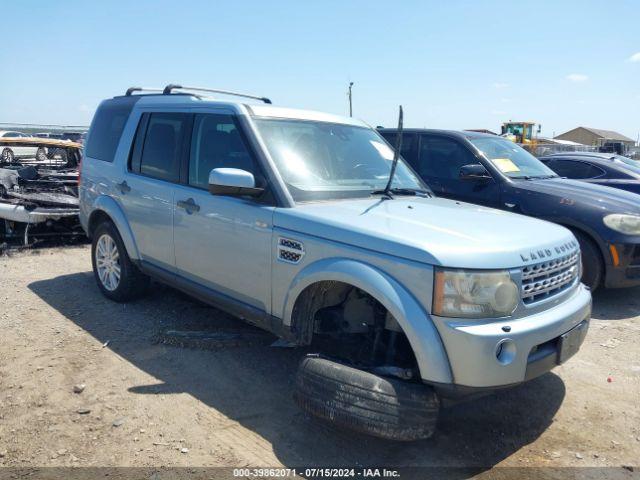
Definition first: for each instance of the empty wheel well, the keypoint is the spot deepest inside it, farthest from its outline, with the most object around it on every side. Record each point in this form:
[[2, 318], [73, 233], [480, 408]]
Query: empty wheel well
[[96, 219], [346, 322]]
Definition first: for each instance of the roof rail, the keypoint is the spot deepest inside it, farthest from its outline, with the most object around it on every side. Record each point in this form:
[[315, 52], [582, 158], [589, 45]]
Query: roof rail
[[169, 88], [131, 90]]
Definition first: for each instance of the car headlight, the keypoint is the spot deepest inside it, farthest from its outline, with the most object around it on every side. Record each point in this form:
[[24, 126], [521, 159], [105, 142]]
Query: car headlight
[[623, 223], [474, 294]]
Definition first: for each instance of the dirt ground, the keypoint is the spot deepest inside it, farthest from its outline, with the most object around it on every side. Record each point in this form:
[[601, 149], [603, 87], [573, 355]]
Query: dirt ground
[[150, 404]]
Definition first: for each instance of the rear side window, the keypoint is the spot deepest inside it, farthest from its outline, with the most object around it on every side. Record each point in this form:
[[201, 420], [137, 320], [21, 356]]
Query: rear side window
[[409, 149], [107, 126], [162, 146]]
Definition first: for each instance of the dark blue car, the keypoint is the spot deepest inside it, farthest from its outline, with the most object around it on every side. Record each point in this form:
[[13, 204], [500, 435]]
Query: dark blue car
[[606, 169], [492, 171]]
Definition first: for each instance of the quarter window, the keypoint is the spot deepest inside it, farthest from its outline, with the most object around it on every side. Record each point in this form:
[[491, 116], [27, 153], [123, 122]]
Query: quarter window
[[216, 143], [106, 128], [161, 150]]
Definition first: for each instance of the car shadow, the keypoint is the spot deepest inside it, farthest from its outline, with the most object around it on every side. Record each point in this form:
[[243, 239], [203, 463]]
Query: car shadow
[[253, 386], [616, 304]]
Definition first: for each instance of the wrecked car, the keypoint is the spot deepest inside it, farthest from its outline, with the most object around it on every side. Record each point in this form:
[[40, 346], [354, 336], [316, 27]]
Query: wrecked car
[[311, 226], [39, 196]]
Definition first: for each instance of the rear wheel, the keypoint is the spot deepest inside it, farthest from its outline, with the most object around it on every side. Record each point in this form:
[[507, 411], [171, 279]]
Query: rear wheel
[[363, 402], [41, 154], [592, 263], [117, 277]]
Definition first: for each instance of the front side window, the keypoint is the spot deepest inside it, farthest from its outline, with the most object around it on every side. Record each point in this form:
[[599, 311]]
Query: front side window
[[326, 161], [216, 143], [511, 159], [161, 150], [442, 157]]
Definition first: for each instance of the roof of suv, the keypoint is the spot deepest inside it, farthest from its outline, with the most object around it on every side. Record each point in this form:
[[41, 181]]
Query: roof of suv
[[255, 110]]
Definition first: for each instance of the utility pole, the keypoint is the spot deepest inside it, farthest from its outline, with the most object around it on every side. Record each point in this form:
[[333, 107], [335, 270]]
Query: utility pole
[[350, 100]]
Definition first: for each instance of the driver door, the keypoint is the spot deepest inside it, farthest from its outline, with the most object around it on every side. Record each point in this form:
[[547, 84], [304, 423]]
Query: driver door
[[439, 161], [223, 243]]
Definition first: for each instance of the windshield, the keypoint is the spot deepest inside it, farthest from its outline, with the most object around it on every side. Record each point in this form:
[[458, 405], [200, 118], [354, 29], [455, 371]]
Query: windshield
[[511, 159], [633, 165], [327, 161]]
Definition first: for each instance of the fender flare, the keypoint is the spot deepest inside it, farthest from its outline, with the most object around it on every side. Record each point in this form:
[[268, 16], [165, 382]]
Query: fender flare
[[415, 322], [113, 210]]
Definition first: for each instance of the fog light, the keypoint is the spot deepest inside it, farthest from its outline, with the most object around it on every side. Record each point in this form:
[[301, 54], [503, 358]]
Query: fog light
[[505, 351]]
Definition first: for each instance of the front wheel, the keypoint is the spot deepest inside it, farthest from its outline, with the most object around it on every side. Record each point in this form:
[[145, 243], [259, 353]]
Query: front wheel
[[592, 264], [7, 155], [117, 277]]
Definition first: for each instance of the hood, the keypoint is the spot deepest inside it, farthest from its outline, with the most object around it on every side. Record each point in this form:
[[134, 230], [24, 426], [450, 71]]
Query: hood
[[433, 230], [607, 199]]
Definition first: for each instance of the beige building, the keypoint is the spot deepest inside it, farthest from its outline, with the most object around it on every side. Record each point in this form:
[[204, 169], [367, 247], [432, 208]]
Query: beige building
[[595, 137]]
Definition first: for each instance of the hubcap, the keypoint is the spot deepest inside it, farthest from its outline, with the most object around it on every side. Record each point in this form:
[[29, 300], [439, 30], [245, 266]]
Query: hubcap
[[108, 262]]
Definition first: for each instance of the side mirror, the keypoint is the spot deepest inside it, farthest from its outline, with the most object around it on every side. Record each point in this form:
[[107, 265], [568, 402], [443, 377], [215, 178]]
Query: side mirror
[[233, 182], [474, 171]]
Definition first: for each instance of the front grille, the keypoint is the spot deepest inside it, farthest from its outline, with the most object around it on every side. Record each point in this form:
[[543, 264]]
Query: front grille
[[549, 278]]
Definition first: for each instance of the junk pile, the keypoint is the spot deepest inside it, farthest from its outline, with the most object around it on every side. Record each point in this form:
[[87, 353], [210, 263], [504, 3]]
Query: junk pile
[[40, 198]]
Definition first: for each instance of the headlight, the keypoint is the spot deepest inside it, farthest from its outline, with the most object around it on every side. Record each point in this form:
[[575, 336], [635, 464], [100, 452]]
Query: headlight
[[469, 294], [623, 223]]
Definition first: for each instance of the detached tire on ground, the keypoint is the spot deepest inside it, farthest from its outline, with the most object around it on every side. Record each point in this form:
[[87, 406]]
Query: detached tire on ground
[[116, 275], [366, 403]]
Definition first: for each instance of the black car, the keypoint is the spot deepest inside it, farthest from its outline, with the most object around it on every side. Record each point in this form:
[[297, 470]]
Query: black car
[[601, 168], [495, 172]]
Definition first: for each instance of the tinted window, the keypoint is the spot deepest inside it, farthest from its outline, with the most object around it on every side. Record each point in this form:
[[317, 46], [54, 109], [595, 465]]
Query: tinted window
[[107, 126], [162, 147], [12, 135], [575, 169], [216, 143], [442, 157], [409, 149]]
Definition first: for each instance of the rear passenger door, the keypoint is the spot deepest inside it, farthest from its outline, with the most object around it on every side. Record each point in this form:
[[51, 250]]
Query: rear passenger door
[[439, 161], [147, 188], [223, 243]]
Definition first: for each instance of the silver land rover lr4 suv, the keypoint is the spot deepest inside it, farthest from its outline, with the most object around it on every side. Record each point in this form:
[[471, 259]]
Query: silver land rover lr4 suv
[[278, 216]]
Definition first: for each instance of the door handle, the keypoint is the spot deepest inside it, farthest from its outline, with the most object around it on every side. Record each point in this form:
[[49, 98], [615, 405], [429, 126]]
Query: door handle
[[124, 187], [189, 205]]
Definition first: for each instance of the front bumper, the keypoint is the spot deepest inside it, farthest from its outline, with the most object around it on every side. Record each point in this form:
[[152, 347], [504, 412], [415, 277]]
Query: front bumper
[[510, 351], [624, 271]]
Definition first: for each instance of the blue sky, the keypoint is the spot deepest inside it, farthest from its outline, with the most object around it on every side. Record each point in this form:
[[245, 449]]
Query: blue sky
[[455, 64]]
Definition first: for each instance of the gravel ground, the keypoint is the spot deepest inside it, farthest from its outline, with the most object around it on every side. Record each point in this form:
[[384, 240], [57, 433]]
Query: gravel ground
[[146, 403]]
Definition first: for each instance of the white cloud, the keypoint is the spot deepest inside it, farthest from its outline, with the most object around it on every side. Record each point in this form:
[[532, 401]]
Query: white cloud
[[500, 85], [577, 77], [635, 57]]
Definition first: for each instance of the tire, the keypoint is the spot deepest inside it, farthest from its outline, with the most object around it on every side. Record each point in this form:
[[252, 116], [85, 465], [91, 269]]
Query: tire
[[592, 263], [41, 154], [7, 156], [360, 401], [107, 249]]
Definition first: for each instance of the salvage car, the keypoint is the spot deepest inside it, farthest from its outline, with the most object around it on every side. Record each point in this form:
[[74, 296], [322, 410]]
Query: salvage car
[[39, 198], [605, 169], [308, 225], [494, 172]]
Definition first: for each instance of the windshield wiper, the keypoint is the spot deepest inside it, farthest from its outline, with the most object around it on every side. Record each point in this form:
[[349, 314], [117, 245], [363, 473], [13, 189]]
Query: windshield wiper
[[536, 177], [403, 191], [387, 192]]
